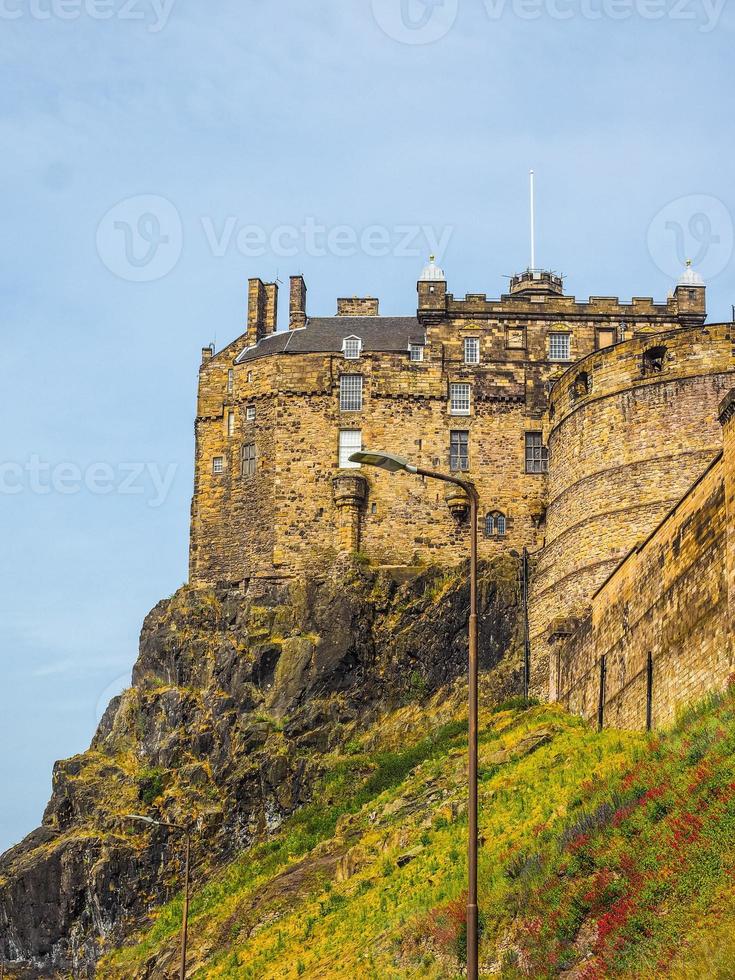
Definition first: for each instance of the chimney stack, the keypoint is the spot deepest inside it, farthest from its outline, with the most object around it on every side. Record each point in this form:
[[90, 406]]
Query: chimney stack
[[271, 307], [256, 311], [262, 310], [297, 306]]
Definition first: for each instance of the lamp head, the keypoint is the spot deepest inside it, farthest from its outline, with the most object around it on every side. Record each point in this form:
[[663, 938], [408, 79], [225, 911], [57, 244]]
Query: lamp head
[[384, 461]]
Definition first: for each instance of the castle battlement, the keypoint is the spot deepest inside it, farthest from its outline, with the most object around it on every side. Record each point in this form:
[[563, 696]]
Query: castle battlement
[[581, 424]]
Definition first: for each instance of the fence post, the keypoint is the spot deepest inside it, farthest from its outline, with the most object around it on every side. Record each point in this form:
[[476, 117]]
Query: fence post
[[601, 705], [649, 693]]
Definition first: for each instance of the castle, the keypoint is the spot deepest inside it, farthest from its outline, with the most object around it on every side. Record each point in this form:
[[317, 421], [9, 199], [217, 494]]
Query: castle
[[592, 431]]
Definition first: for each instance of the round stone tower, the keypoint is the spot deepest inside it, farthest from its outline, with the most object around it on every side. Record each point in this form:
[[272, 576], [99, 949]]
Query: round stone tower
[[631, 428]]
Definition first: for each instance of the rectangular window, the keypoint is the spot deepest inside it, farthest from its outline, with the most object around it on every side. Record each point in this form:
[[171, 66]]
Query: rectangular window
[[605, 338], [459, 450], [350, 393], [248, 459], [459, 399], [352, 348], [472, 350], [218, 465], [250, 377], [537, 455], [560, 346], [416, 352], [250, 413], [230, 423], [230, 381], [350, 441]]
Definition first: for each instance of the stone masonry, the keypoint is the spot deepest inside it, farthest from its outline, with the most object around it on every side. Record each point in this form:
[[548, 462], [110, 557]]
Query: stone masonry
[[582, 425]]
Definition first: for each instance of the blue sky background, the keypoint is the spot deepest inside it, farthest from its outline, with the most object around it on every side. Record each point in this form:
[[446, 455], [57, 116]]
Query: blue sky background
[[273, 114]]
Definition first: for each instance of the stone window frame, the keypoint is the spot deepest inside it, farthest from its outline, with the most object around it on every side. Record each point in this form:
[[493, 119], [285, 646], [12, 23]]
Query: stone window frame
[[345, 448], [230, 381], [521, 330], [231, 423], [460, 402], [250, 377], [459, 450], [581, 386], [351, 393], [496, 524], [250, 413], [471, 350], [218, 465], [352, 348], [654, 360], [602, 330], [536, 454], [415, 349], [248, 459], [556, 337]]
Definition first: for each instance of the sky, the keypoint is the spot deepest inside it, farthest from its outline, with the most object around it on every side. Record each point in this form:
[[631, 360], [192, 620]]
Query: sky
[[157, 153]]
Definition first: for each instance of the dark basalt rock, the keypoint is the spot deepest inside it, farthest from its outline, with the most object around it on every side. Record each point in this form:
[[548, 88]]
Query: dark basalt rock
[[235, 697]]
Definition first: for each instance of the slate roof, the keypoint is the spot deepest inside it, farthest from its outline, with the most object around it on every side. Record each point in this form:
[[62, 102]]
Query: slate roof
[[325, 335]]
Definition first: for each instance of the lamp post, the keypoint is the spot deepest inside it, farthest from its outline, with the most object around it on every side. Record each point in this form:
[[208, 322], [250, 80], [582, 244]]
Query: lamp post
[[396, 464], [187, 877]]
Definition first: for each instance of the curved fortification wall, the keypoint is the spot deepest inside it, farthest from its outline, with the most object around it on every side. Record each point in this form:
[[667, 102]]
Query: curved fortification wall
[[631, 428]]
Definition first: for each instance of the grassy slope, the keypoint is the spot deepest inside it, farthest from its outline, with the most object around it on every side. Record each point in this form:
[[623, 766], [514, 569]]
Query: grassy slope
[[602, 855]]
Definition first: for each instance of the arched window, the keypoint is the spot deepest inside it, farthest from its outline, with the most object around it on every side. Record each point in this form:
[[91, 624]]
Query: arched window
[[653, 360], [495, 524]]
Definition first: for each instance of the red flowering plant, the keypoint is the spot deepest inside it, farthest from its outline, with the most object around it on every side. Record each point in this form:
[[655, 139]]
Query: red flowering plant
[[640, 857]]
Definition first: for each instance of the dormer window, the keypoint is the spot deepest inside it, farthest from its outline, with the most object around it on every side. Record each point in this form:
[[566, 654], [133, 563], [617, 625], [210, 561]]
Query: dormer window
[[416, 352], [352, 348]]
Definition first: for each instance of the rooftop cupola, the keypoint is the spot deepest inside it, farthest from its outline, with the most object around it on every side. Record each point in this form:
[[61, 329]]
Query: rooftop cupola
[[432, 290], [690, 278], [536, 282], [690, 298], [432, 272]]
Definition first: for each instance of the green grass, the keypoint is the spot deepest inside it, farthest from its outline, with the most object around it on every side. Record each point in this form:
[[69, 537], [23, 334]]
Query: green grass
[[610, 852]]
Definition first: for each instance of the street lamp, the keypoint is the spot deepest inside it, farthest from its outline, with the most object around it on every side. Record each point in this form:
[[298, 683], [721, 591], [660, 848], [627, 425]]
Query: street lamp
[[396, 464], [186, 831]]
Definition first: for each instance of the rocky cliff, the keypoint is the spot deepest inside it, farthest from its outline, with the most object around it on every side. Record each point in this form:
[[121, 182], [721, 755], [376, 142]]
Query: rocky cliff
[[236, 697]]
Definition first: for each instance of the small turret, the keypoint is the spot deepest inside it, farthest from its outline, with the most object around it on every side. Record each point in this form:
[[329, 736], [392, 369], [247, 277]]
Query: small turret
[[690, 298], [432, 289], [536, 282]]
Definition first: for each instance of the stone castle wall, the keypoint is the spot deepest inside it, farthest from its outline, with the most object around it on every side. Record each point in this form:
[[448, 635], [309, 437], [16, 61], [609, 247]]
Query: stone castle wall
[[634, 573], [659, 632], [627, 439], [299, 508]]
